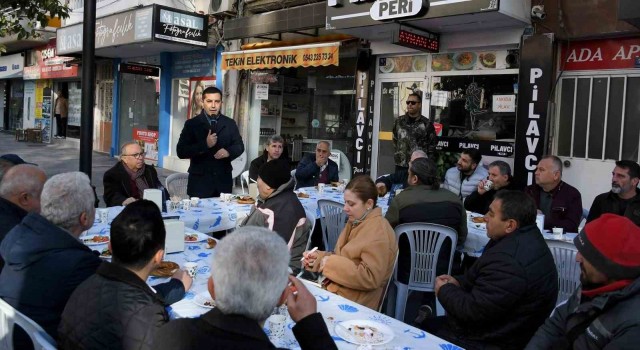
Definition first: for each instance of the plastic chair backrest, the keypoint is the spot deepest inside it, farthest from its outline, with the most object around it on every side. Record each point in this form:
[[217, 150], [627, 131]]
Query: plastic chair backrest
[[177, 184], [244, 179], [311, 219], [9, 317], [564, 255], [386, 289], [425, 242], [295, 181], [333, 219]]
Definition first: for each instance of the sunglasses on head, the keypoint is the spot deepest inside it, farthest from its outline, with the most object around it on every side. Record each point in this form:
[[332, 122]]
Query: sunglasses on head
[[412, 102]]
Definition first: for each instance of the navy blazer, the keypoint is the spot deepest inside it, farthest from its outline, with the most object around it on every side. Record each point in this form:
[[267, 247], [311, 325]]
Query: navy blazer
[[208, 177], [308, 172]]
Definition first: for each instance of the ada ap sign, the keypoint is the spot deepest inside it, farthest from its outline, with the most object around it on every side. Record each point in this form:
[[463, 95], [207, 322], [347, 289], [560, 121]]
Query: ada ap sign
[[388, 9]]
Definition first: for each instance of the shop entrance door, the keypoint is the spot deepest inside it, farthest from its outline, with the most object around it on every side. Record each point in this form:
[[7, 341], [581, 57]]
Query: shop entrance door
[[139, 112], [391, 95]]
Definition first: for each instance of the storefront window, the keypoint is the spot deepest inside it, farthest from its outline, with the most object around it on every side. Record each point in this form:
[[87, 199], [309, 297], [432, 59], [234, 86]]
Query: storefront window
[[16, 104]]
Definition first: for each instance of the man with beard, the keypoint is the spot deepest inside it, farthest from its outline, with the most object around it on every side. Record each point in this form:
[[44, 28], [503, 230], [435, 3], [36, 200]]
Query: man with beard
[[463, 178], [386, 183], [623, 199], [603, 312], [411, 132]]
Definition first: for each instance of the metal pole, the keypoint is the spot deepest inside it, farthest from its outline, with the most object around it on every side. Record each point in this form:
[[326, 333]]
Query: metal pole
[[88, 85]]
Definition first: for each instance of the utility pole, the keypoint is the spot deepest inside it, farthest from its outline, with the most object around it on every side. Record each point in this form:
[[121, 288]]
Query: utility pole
[[88, 86]]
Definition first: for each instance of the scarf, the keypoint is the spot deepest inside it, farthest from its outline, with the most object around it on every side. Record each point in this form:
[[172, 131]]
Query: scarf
[[138, 178], [617, 285]]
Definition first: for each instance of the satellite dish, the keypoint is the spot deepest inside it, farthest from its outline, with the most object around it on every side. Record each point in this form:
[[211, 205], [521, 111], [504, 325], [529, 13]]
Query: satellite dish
[[238, 165]]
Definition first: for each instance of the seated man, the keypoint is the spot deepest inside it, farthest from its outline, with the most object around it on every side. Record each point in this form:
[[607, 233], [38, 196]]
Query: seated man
[[499, 178], [463, 178], [386, 182], [560, 202], [44, 259], [279, 209], [603, 312], [128, 312], [509, 291], [19, 195], [243, 304], [126, 181], [274, 149], [317, 168], [624, 197]]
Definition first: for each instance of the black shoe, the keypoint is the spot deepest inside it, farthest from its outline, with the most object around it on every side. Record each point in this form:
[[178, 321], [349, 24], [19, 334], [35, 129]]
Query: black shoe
[[424, 312]]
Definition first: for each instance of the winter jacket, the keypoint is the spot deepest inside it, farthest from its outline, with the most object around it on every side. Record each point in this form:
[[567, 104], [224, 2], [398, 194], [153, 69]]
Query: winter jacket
[[113, 309], [217, 331], [283, 213], [363, 260], [566, 206], [208, 176], [614, 322], [506, 294], [462, 188], [256, 164], [117, 184], [43, 265], [308, 172], [479, 203], [610, 202], [10, 216], [411, 134], [398, 177]]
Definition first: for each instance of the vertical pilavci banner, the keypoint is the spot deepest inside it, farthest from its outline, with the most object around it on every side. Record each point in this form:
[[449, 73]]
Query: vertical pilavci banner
[[535, 79], [365, 84]]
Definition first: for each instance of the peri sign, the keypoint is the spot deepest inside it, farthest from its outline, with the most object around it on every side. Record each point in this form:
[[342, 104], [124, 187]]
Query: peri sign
[[389, 9]]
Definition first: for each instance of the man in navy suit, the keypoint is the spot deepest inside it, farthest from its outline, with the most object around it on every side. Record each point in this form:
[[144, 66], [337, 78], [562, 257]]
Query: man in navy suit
[[211, 140]]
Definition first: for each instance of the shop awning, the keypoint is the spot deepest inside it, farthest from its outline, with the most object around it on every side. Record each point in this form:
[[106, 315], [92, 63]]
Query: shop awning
[[313, 55]]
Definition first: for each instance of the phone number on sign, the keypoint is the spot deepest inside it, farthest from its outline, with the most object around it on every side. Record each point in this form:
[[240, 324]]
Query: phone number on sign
[[317, 56]]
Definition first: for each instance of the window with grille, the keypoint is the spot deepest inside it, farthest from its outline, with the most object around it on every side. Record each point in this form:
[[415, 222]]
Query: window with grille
[[599, 117]]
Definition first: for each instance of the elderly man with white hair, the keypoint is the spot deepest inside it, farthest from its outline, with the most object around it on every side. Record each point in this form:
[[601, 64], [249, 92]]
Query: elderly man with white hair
[[261, 257], [19, 195], [44, 259]]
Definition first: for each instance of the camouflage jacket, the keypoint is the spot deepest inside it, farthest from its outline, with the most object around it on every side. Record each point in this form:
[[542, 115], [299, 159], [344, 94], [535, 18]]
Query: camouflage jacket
[[410, 136]]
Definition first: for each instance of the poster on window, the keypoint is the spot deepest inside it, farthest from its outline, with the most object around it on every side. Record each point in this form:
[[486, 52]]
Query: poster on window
[[148, 141], [75, 103], [44, 88], [197, 86]]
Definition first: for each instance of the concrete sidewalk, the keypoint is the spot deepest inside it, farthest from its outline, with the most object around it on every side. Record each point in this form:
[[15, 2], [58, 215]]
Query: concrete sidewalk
[[63, 156]]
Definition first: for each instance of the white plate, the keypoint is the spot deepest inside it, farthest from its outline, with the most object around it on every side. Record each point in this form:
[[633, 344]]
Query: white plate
[[88, 240], [204, 299], [383, 333], [390, 65], [478, 225]]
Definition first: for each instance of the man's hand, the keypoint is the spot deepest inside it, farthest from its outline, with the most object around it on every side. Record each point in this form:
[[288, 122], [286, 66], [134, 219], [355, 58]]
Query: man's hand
[[481, 189], [300, 303], [183, 276], [128, 201], [222, 153], [212, 139], [382, 189], [320, 161], [444, 279]]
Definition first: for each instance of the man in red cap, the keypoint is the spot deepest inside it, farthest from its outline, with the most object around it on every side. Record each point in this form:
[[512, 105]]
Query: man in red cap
[[604, 312]]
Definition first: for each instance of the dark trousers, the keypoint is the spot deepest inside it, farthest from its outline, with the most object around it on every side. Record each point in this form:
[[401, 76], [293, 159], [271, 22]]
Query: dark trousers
[[61, 125]]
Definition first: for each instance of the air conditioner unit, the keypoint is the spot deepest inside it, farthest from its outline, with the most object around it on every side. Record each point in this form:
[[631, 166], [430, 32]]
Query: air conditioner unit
[[221, 7]]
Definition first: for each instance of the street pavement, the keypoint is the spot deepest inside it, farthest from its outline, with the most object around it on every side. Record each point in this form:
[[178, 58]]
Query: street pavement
[[63, 156]]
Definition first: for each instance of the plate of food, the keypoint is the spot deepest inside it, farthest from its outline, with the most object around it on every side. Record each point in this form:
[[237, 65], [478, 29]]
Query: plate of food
[[204, 300], [106, 253], [211, 243], [464, 60], [388, 66], [364, 332], [479, 222], [245, 200], [419, 64], [488, 59], [165, 269], [95, 240], [302, 195], [191, 238], [442, 62]]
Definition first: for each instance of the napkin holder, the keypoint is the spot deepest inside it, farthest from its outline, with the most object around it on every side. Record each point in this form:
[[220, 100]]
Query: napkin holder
[[153, 195], [174, 241]]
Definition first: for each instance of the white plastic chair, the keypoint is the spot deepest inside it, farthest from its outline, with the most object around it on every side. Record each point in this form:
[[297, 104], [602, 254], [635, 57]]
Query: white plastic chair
[[295, 181], [386, 288], [9, 317], [244, 179], [333, 219], [425, 242], [564, 255], [177, 184]]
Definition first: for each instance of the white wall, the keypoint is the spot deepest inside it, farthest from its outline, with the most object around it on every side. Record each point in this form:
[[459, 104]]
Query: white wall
[[591, 177], [106, 7]]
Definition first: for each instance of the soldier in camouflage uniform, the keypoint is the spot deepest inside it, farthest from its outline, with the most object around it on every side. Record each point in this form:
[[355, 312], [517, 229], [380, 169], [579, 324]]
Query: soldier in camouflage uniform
[[411, 132]]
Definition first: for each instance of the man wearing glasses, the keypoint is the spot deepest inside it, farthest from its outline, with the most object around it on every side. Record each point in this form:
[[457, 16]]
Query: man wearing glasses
[[126, 181], [411, 132]]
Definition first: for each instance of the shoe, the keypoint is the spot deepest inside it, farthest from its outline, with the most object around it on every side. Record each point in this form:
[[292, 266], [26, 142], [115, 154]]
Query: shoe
[[424, 312]]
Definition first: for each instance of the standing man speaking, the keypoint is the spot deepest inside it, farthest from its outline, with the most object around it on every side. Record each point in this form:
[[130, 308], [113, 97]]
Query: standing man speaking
[[211, 140]]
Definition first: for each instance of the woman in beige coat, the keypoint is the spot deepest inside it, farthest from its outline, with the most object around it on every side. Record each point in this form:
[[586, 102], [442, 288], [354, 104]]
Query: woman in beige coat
[[365, 252]]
